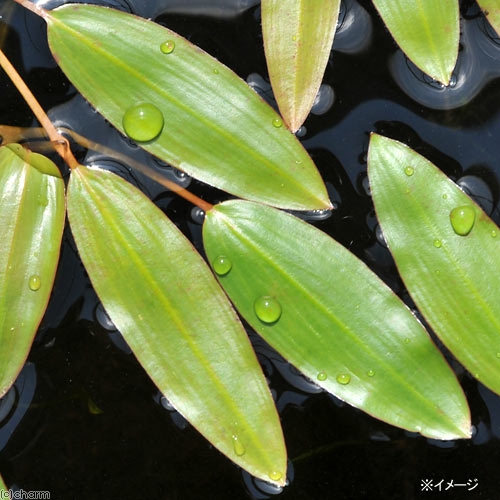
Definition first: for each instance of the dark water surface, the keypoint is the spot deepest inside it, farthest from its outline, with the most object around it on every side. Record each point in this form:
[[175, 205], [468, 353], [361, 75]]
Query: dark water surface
[[84, 421]]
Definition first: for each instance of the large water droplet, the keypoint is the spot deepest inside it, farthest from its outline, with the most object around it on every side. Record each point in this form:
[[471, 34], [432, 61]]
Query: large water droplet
[[275, 476], [35, 282], [222, 265], [167, 47], [143, 122], [277, 122], [322, 376], [343, 378], [239, 449], [267, 309], [462, 219]]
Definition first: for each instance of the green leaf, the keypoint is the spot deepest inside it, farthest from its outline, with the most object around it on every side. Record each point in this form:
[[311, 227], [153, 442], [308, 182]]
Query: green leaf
[[428, 32], [215, 127], [453, 279], [163, 298], [32, 216], [491, 9], [339, 324], [4, 492], [298, 37]]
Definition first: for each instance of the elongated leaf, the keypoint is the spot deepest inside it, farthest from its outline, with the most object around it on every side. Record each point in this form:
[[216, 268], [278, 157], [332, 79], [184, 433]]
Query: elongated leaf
[[164, 300], [215, 127], [491, 9], [339, 324], [453, 279], [4, 492], [298, 37], [428, 31], [32, 220]]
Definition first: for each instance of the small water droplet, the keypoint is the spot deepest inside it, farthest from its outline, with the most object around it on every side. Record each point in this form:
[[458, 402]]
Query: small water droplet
[[409, 171], [498, 354], [143, 122], [35, 282], [277, 122], [438, 243], [275, 476], [322, 376], [167, 47], [407, 340], [294, 37], [343, 378], [239, 449], [445, 196], [493, 233], [370, 373], [12, 328], [222, 265], [216, 71], [462, 219], [438, 272], [267, 309]]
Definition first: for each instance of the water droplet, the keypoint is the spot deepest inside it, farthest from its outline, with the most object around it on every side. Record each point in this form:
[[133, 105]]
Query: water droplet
[[35, 282], [294, 38], [275, 476], [322, 376], [409, 171], [167, 47], [437, 243], [143, 122], [498, 353], [216, 71], [239, 449], [12, 328], [438, 272], [445, 196], [343, 378], [407, 340], [462, 219], [277, 122], [222, 265], [493, 233], [267, 309], [370, 373]]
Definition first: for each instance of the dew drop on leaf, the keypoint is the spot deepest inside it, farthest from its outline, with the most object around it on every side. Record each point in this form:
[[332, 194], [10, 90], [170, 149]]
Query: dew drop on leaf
[[35, 282], [322, 376], [167, 47], [267, 309], [343, 378], [222, 265], [462, 220], [370, 373], [409, 171], [143, 122], [437, 243], [239, 449], [277, 122], [275, 476], [493, 233]]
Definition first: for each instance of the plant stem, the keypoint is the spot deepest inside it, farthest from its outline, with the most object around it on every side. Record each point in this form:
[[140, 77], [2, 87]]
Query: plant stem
[[61, 144]]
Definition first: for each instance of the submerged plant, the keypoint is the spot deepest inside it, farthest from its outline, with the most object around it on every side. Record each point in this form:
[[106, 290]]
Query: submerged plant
[[306, 295]]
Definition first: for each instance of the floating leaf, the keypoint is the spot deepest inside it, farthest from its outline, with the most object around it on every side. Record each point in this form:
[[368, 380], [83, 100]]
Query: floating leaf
[[428, 32], [196, 113], [331, 317], [491, 9], [32, 220], [163, 298], [298, 38], [447, 251]]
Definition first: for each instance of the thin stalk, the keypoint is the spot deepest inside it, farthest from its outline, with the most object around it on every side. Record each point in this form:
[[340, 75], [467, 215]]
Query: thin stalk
[[61, 144]]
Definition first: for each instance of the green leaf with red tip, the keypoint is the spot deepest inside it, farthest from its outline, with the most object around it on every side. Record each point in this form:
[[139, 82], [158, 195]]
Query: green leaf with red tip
[[428, 32], [215, 127], [491, 9], [452, 275], [339, 323], [32, 213], [298, 37], [163, 298]]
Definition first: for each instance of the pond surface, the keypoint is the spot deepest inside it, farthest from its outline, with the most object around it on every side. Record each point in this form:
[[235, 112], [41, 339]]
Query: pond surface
[[84, 421]]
